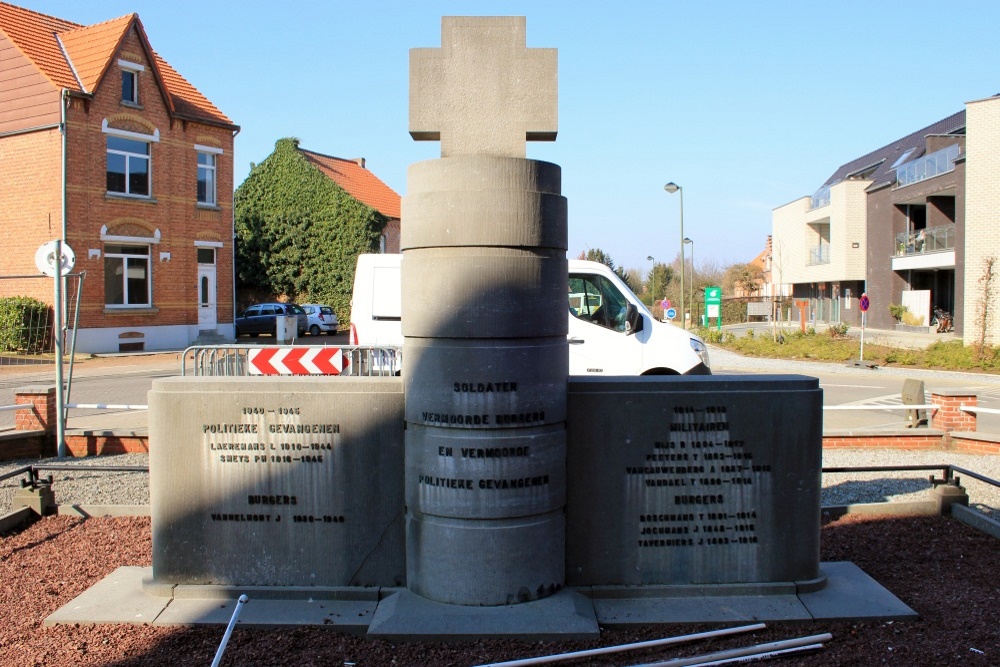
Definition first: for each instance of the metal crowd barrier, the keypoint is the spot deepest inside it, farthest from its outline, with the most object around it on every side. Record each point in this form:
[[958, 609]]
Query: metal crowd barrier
[[236, 360]]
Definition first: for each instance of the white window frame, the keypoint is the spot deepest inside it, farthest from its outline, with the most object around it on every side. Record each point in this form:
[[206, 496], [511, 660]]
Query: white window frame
[[125, 267], [211, 198], [148, 139], [134, 69]]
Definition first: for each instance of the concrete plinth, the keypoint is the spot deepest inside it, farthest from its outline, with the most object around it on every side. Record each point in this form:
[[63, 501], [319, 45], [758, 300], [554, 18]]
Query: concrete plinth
[[704, 480], [277, 482]]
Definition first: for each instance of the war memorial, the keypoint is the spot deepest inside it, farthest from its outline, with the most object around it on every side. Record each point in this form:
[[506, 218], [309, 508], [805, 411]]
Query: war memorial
[[485, 491]]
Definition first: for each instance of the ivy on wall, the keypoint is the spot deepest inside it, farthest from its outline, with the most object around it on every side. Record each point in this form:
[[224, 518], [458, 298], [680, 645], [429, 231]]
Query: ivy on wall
[[299, 234]]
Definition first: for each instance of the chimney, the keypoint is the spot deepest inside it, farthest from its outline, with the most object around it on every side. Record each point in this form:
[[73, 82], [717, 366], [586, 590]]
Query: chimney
[[360, 161]]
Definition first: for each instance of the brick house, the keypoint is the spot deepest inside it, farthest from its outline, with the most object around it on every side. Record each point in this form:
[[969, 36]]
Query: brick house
[[366, 187], [104, 145]]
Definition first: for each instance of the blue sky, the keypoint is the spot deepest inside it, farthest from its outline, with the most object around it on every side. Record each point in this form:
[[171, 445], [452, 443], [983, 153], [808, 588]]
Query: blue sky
[[747, 105]]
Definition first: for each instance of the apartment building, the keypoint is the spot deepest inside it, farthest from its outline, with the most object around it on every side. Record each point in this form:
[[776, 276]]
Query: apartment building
[[898, 224], [105, 146]]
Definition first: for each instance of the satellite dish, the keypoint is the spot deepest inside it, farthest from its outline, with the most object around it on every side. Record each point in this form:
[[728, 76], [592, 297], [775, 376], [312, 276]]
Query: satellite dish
[[45, 259]]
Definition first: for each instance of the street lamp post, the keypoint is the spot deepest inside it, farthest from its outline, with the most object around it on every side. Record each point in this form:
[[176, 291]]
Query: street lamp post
[[652, 277], [672, 188], [687, 240]]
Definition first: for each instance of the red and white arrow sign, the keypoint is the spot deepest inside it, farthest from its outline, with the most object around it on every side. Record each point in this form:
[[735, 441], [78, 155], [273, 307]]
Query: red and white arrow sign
[[297, 361]]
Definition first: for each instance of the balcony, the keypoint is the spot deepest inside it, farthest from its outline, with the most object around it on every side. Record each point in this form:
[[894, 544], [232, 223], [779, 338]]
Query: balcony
[[820, 255], [925, 249], [928, 166], [820, 199], [923, 241]]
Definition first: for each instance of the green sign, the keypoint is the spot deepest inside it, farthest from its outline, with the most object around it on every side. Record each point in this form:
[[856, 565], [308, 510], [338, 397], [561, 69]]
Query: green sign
[[713, 305]]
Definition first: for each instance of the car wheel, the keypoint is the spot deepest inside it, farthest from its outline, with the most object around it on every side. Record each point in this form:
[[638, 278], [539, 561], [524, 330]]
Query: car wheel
[[254, 335], [237, 331], [314, 330]]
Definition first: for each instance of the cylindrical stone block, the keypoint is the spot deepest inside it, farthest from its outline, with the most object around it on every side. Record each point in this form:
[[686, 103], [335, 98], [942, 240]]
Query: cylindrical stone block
[[504, 218], [484, 293], [485, 563], [460, 173], [485, 474], [475, 200], [485, 384]]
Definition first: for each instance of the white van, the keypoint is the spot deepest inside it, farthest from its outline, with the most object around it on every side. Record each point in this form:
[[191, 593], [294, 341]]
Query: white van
[[611, 332]]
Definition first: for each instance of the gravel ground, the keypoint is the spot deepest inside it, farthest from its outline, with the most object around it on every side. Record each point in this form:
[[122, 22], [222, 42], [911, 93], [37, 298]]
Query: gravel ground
[[941, 568]]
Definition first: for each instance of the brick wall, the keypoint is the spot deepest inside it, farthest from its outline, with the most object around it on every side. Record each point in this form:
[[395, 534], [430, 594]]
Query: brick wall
[[982, 214], [916, 439], [31, 208]]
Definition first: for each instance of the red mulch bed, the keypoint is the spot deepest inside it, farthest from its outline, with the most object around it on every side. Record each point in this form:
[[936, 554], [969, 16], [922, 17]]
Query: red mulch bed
[[947, 572]]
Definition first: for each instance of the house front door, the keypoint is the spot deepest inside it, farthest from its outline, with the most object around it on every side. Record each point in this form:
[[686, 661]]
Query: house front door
[[206, 297]]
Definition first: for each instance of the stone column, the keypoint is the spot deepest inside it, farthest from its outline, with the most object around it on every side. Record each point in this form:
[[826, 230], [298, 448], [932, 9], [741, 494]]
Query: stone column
[[42, 416], [484, 316]]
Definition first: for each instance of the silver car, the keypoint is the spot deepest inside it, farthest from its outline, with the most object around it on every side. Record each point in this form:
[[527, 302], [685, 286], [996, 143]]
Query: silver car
[[322, 319]]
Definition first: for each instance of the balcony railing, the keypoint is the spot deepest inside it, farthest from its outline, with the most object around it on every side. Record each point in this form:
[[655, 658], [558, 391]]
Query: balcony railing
[[820, 199], [925, 240], [820, 255], [928, 166]]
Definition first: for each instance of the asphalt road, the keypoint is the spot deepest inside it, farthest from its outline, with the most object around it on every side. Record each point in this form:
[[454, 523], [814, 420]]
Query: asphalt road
[[127, 379]]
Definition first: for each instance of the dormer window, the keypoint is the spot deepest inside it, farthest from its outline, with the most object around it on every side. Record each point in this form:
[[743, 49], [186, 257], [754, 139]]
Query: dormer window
[[130, 81]]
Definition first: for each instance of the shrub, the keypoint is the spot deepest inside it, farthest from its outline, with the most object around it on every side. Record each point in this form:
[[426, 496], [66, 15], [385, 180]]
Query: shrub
[[912, 319], [24, 325], [897, 310], [838, 330]]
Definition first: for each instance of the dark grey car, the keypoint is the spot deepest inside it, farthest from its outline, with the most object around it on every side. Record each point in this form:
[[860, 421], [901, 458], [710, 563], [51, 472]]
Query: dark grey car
[[261, 319]]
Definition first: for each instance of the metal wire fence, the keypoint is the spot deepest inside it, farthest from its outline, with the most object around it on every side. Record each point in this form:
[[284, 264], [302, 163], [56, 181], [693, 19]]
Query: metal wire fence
[[27, 336]]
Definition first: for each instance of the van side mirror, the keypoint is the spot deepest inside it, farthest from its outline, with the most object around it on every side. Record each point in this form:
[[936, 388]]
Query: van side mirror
[[633, 320]]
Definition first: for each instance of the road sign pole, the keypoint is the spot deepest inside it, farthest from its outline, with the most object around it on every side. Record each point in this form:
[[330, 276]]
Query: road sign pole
[[861, 355], [58, 339], [863, 304]]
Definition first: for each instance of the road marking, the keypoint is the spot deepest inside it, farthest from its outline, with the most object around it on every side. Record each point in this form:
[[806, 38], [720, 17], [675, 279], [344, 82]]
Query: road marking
[[851, 386]]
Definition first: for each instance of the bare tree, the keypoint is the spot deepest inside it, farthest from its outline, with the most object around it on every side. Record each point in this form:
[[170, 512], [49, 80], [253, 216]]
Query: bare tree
[[985, 319]]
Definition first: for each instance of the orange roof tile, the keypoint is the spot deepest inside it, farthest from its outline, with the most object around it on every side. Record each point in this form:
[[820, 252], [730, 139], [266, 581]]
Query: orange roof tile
[[33, 34], [89, 50], [360, 183]]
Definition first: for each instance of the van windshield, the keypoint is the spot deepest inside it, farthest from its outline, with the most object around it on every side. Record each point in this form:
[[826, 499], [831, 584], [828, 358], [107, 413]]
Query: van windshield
[[596, 299]]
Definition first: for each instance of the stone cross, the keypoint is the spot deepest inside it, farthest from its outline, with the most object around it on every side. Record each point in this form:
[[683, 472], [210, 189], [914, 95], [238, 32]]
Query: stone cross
[[483, 92]]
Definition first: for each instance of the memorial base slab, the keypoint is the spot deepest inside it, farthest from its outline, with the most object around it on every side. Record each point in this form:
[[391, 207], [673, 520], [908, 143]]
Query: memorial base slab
[[126, 596]]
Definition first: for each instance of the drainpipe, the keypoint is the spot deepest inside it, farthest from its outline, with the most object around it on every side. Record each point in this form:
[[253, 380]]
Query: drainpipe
[[232, 247]]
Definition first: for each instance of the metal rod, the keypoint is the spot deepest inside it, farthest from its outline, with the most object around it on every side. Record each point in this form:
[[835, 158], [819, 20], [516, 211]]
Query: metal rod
[[15, 473], [761, 656], [914, 468], [80, 467], [974, 475], [975, 408], [11, 408], [106, 406], [72, 347], [627, 647], [229, 630], [742, 652], [928, 406]]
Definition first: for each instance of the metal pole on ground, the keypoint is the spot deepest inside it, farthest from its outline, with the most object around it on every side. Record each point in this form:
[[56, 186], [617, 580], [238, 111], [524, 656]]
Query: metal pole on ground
[[229, 630]]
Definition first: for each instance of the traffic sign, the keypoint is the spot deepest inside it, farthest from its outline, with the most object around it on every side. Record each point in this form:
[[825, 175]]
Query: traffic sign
[[863, 303], [671, 313], [297, 361], [45, 259]]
